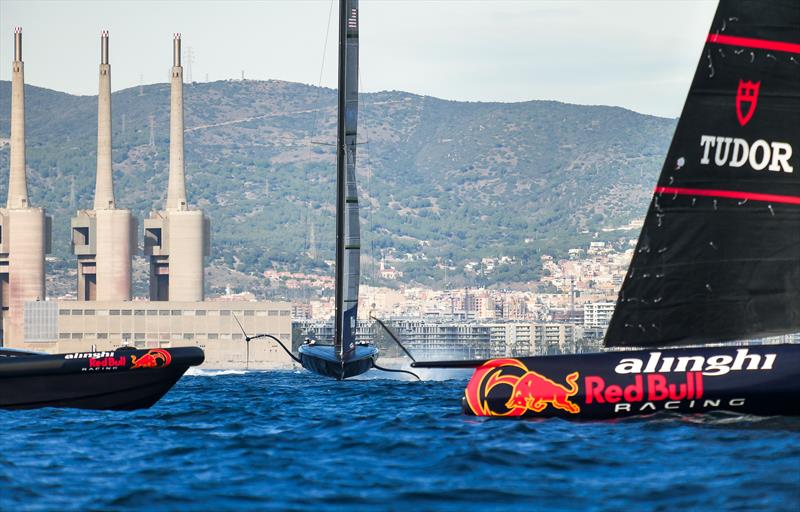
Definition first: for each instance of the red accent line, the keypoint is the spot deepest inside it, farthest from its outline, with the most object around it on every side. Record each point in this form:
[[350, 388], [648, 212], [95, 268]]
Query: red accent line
[[748, 42], [729, 194]]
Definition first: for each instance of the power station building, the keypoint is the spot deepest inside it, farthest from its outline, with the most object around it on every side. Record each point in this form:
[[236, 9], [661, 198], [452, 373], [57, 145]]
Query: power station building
[[24, 229], [176, 241], [104, 238]]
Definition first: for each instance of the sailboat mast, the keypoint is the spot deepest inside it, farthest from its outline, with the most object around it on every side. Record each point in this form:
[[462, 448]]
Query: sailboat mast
[[340, 179], [348, 240]]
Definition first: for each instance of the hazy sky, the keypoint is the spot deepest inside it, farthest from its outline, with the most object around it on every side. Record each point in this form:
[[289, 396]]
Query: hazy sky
[[636, 54]]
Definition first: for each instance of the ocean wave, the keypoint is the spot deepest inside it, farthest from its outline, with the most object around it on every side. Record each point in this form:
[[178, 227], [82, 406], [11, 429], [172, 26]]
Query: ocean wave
[[293, 441]]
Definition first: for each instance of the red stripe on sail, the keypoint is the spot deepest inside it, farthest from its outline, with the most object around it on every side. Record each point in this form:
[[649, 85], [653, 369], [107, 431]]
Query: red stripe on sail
[[748, 42], [729, 194]]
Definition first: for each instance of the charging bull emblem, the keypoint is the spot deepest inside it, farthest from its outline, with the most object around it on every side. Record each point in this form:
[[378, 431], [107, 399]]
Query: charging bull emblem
[[154, 358], [746, 94], [506, 387]]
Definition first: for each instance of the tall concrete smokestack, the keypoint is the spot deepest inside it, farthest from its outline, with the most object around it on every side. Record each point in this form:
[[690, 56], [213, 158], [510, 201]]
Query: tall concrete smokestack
[[24, 230], [17, 184], [176, 239], [104, 189], [176, 191], [104, 239]]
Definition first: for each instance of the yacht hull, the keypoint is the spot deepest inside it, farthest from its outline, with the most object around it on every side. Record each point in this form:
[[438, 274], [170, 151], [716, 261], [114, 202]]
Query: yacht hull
[[118, 380], [322, 360], [760, 380]]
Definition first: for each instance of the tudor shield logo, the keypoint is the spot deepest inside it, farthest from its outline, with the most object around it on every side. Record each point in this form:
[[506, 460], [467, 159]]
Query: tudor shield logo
[[746, 100]]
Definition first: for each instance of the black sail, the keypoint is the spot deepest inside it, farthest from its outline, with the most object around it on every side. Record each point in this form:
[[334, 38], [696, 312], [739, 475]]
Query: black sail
[[718, 258]]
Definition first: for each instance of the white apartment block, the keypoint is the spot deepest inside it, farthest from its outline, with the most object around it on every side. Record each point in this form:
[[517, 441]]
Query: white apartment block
[[598, 314]]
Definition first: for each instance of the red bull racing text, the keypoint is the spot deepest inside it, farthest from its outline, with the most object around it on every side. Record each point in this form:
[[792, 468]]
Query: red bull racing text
[[606, 385]]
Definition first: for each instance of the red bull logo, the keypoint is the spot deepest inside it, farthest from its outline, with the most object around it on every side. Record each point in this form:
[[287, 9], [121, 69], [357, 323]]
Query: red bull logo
[[518, 389], [154, 358]]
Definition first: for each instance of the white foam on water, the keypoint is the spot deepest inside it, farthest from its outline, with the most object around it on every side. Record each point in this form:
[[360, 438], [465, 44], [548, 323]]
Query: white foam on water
[[425, 374], [203, 372]]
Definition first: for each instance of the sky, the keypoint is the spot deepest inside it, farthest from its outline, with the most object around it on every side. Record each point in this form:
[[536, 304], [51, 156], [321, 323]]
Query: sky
[[640, 55]]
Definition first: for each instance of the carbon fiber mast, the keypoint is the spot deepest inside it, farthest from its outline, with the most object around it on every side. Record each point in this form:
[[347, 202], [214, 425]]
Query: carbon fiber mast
[[348, 241], [345, 358]]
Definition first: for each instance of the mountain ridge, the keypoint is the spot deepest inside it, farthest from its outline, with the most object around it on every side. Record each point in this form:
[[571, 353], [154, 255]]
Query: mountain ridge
[[442, 183]]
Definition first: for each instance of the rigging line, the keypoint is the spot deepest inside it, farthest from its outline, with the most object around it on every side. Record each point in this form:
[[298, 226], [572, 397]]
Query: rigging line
[[368, 215], [325, 46], [315, 125], [276, 340], [247, 340], [391, 334], [395, 370]]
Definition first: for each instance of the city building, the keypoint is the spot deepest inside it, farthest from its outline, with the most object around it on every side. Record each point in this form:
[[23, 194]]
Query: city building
[[443, 340], [598, 314], [520, 339]]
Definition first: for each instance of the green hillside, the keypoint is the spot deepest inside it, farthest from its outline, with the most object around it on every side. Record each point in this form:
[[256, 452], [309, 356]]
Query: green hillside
[[442, 183]]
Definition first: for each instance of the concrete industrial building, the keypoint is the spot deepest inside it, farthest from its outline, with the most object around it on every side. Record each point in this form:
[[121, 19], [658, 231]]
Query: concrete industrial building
[[178, 238], [80, 326], [104, 238], [24, 229]]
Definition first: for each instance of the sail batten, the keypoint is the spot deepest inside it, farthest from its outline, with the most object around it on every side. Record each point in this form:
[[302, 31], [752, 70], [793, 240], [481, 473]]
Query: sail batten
[[718, 258]]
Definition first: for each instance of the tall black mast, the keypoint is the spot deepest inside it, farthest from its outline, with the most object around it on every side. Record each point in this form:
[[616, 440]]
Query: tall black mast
[[340, 184], [348, 242]]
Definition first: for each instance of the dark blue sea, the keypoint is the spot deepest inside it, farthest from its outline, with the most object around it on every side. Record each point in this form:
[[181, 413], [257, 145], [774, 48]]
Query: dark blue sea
[[293, 441]]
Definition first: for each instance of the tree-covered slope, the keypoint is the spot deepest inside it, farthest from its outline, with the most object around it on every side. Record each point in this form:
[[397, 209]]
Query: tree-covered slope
[[441, 182]]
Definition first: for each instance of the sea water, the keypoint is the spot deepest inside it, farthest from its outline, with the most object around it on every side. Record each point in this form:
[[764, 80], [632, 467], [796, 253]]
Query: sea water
[[295, 441]]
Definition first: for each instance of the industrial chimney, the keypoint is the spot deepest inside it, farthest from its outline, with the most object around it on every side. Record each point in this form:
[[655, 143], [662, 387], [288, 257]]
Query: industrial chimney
[[17, 182], [24, 230], [104, 187], [176, 239], [176, 190], [103, 239]]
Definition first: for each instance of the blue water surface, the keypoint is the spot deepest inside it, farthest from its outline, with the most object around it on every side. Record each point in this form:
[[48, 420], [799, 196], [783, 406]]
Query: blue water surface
[[293, 441]]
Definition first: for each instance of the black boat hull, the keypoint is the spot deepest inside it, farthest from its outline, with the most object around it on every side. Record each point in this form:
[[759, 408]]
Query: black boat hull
[[322, 360], [120, 380], [761, 380]]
